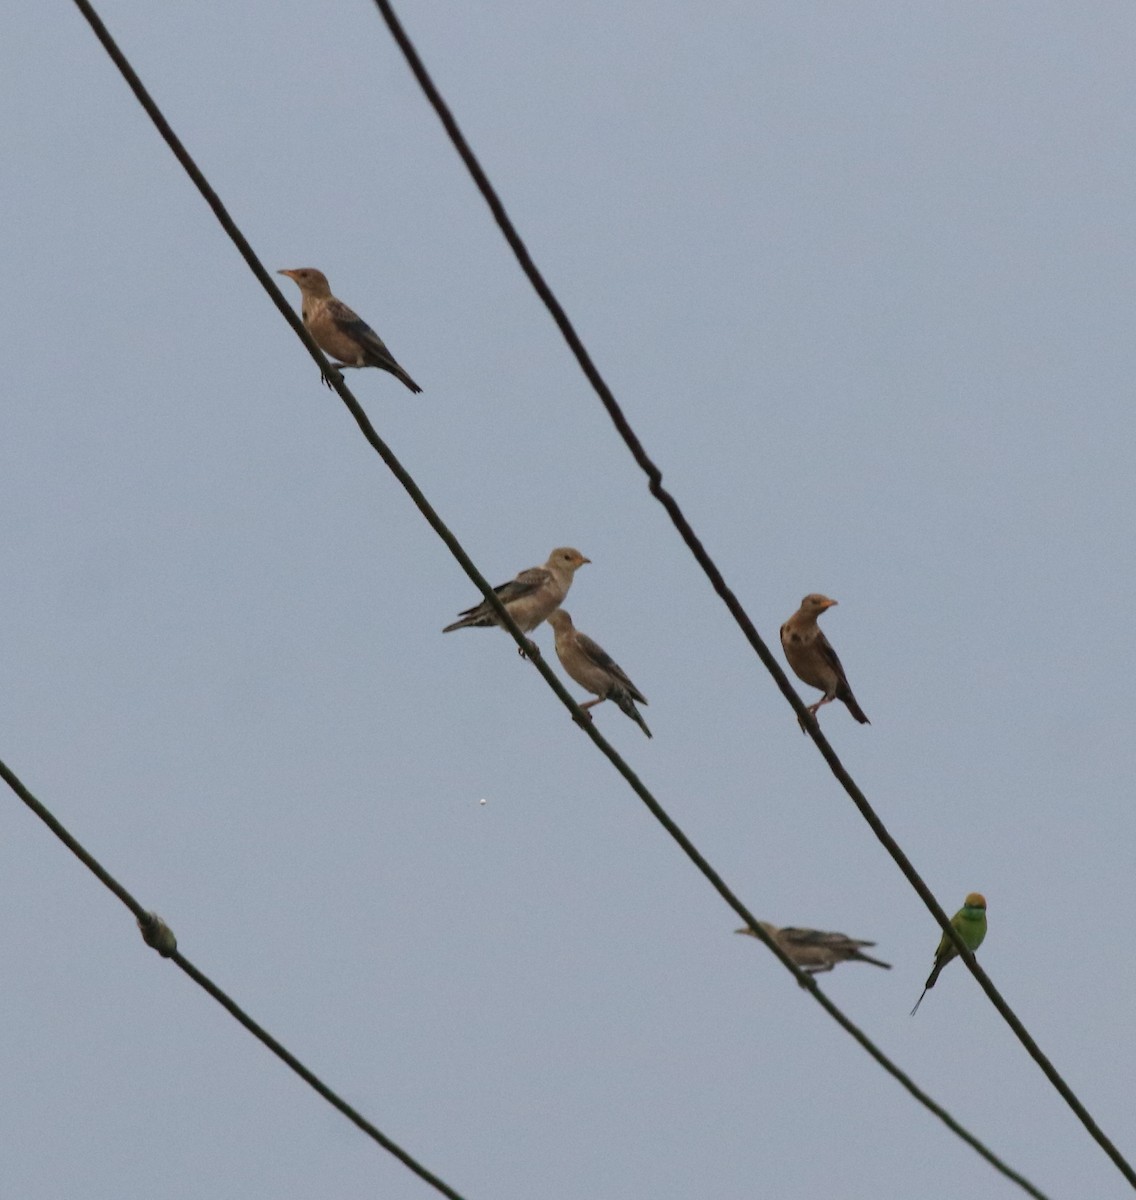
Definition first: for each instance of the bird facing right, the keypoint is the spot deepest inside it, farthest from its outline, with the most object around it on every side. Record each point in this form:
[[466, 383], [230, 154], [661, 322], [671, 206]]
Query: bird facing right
[[814, 951], [970, 924], [594, 669], [531, 596], [813, 660]]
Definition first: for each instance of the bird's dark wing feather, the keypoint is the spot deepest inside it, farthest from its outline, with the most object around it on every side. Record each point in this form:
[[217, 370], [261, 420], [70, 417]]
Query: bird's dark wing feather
[[526, 582], [830, 657], [626, 705], [843, 687], [597, 654], [804, 937], [349, 322], [375, 352]]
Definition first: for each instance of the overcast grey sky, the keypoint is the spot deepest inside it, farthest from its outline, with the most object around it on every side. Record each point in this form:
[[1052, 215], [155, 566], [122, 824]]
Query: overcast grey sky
[[861, 276]]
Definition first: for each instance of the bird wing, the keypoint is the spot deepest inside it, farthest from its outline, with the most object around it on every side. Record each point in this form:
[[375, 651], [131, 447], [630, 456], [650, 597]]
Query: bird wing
[[824, 648], [348, 321], [805, 937], [524, 584], [596, 654], [817, 937]]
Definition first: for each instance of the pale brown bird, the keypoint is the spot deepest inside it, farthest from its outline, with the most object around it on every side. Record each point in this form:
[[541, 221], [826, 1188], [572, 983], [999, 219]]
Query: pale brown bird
[[339, 331], [530, 597], [814, 951], [592, 668], [814, 660]]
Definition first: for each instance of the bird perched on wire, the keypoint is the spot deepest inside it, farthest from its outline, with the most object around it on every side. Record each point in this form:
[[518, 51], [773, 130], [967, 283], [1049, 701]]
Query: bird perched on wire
[[970, 924], [530, 597], [594, 669], [814, 951], [813, 659], [339, 331]]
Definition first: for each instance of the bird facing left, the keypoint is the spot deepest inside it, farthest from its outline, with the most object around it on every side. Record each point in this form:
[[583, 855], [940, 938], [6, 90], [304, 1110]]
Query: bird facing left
[[339, 331]]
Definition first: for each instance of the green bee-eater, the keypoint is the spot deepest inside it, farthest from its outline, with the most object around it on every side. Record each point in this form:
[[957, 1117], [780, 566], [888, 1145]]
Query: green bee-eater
[[970, 924]]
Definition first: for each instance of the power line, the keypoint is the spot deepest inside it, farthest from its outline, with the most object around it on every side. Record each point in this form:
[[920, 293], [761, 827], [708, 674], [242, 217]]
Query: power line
[[150, 925], [717, 580], [475, 576]]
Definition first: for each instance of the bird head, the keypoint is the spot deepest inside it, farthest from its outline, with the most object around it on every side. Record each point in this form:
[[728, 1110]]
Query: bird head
[[560, 621], [976, 900], [310, 281], [565, 556], [814, 604], [769, 929]]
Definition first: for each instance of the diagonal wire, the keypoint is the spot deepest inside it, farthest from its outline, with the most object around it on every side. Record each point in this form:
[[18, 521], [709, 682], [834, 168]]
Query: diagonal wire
[[222, 998], [717, 580], [335, 380]]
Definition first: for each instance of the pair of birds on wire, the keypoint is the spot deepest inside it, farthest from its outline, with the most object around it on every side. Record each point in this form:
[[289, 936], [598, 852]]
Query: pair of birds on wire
[[536, 595], [815, 951]]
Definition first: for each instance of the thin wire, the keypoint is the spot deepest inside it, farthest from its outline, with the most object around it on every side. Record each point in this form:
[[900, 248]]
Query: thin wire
[[717, 580], [202, 980], [336, 381]]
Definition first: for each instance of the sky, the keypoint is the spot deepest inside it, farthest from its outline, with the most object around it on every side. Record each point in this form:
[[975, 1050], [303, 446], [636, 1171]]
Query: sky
[[861, 278]]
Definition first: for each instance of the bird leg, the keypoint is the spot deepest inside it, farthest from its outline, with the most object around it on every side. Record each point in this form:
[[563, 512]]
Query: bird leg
[[529, 650], [588, 704], [812, 711], [584, 720]]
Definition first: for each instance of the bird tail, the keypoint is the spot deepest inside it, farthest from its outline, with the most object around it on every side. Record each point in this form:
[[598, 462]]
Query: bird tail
[[853, 707], [627, 705], [400, 374], [941, 961], [470, 621], [377, 355]]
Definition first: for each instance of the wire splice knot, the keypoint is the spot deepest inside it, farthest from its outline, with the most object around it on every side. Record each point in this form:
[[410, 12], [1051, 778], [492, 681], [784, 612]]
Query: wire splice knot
[[157, 934]]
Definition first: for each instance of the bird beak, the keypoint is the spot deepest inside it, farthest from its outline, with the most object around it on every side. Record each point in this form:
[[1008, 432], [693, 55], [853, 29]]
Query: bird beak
[[290, 274], [830, 604], [584, 560]]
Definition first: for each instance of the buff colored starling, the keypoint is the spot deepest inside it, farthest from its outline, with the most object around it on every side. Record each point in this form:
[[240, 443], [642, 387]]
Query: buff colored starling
[[813, 659], [814, 951], [593, 669], [339, 331], [530, 597], [970, 924]]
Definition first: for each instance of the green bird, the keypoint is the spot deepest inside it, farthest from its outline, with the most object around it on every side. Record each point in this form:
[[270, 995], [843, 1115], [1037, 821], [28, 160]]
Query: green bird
[[970, 924]]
